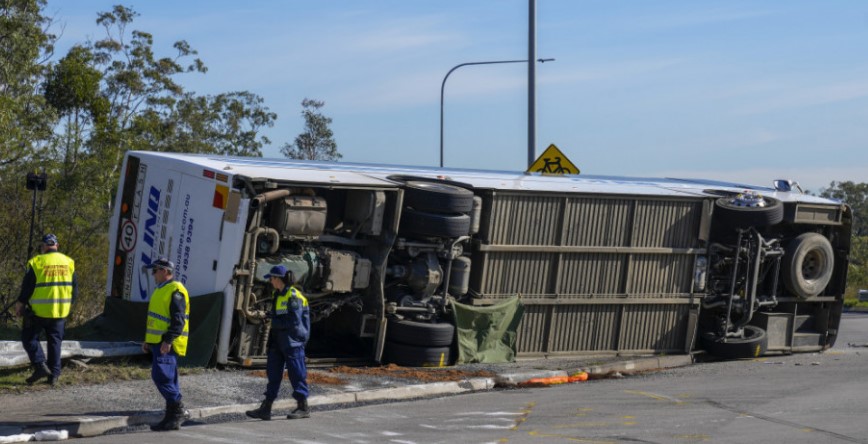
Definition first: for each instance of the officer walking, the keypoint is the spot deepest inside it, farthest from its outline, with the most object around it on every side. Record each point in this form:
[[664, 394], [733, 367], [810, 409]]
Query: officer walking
[[290, 330], [166, 338], [47, 293]]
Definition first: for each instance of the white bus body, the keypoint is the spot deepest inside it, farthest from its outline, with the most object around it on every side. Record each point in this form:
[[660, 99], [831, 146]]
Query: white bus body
[[602, 264]]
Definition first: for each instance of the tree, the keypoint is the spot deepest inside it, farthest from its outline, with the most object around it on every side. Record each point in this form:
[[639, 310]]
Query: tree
[[316, 142], [72, 88], [857, 272], [25, 120], [26, 123], [855, 195], [228, 123], [74, 119]]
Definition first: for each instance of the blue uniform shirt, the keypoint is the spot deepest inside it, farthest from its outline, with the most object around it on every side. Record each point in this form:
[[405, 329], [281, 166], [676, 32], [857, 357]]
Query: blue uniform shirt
[[296, 321]]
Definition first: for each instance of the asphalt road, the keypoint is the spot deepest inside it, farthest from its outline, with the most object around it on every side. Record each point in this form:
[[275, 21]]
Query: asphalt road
[[805, 398]]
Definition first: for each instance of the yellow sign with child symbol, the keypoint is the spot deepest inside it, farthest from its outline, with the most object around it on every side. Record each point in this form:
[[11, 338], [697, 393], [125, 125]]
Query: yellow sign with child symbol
[[553, 162]]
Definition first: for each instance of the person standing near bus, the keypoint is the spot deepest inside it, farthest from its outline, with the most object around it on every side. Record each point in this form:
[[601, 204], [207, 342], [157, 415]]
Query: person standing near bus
[[166, 339], [47, 293], [290, 330]]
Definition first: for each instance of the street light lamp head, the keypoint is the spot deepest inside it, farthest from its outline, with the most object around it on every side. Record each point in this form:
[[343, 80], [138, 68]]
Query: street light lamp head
[[443, 88]]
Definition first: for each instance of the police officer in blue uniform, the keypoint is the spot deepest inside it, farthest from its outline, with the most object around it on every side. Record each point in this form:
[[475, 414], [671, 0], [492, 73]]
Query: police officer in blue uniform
[[290, 330], [166, 339], [47, 293]]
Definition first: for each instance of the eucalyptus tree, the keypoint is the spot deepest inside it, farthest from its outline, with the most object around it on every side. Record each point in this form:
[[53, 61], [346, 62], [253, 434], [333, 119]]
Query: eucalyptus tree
[[316, 142]]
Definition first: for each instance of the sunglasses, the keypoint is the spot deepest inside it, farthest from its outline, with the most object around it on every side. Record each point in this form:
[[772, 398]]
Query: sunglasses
[[155, 270]]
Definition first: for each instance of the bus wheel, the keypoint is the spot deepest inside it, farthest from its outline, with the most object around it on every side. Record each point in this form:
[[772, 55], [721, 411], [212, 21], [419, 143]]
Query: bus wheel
[[807, 265], [432, 224], [435, 197], [748, 210], [424, 334], [414, 356], [754, 344]]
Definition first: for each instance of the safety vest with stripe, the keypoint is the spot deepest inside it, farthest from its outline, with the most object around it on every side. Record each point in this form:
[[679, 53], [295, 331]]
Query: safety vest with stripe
[[52, 296], [159, 317], [291, 316], [281, 304]]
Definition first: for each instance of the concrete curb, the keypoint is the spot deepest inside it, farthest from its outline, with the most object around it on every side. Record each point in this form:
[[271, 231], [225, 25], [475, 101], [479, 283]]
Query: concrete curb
[[644, 364], [94, 426]]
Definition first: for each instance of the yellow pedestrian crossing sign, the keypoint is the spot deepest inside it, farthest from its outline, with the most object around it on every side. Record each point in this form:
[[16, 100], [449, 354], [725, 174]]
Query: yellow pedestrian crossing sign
[[553, 161]]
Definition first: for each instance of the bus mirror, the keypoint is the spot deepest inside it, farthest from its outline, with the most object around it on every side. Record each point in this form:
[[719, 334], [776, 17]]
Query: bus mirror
[[787, 185]]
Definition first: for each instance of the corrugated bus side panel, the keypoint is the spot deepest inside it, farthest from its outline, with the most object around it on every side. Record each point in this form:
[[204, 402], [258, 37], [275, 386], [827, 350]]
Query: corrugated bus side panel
[[588, 274], [586, 301], [667, 224], [657, 275], [510, 273], [533, 331], [597, 222], [584, 327], [654, 327], [524, 220]]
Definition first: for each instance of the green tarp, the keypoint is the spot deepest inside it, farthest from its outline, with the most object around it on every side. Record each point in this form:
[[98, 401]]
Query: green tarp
[[125, 321], [487, 334]]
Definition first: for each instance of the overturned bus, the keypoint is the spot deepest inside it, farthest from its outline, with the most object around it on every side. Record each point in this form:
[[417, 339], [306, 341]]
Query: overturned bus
[[601, 265]]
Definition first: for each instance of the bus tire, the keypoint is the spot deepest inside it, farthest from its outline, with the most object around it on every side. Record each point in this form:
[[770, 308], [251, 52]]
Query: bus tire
[[415, 356], [423, 334], [754, 344], [432, 224], [437, 197], [808, 264], [730, 215]]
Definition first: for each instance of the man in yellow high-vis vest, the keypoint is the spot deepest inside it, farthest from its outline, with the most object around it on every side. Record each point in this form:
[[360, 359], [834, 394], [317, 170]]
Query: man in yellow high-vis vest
[[47, 293], [166, 336]]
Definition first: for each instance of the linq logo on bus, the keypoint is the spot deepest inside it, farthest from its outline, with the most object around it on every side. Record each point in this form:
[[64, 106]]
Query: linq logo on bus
[[149, 236]]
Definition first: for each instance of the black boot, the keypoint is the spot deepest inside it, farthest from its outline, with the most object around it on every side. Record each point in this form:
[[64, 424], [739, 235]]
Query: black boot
[[182, 411], [166, 417], [263, 412], [181, 414], [176, 414], [39, 371], [301, 411]]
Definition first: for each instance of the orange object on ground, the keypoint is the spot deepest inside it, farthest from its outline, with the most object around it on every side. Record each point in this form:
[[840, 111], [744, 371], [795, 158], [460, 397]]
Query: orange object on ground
[[552, 380], [579, 377]]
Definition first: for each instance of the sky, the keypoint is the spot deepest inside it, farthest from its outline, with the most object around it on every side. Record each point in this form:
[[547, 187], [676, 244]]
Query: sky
[[745, 91]]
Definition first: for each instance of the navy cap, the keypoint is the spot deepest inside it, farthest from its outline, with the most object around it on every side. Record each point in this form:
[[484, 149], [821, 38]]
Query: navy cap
[[276, 271], [49, 239], [161, 262]]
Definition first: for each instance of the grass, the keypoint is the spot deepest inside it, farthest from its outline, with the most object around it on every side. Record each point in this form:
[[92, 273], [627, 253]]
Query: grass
[[100, 371], [96, 371], [854, 302]]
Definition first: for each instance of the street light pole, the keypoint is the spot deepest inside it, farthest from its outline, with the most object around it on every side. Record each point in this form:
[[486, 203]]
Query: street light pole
[[443, 89], [531, 83]]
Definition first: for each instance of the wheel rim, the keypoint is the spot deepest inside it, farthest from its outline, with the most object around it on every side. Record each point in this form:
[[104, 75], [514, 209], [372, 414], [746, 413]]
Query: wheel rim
[[749, 199], [813, 265]]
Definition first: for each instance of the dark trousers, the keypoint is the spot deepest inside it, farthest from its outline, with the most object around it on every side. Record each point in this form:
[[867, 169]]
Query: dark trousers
[[282, 355], [33, 326], [164, 373]]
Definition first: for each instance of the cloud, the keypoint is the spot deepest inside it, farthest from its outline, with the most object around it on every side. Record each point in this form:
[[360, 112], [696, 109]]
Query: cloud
[[399, 37], [566, 72], [806, 95], [683, 19]]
